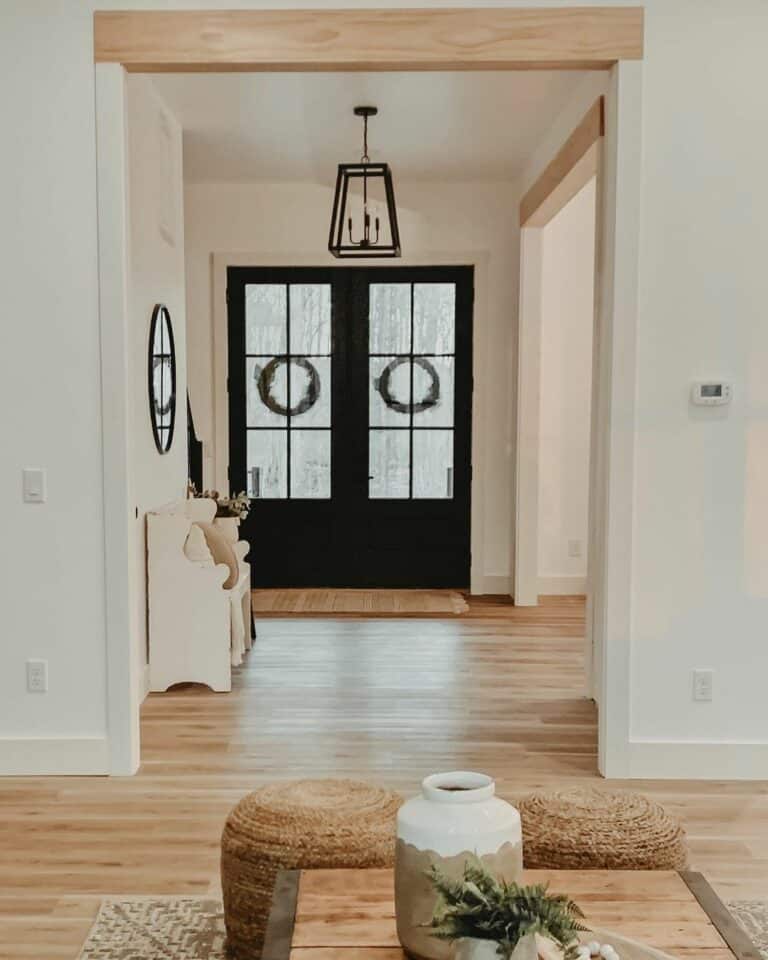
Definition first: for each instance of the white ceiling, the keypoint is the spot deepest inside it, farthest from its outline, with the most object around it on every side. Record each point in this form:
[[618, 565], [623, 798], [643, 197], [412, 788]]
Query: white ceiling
[[297, 126]]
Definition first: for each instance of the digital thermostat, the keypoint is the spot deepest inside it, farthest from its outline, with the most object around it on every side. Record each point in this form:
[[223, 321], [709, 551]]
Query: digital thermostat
[[711, 394]]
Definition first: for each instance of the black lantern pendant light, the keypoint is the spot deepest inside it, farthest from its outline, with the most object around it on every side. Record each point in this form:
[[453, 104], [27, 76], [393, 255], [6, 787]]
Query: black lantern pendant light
[[358, 226]]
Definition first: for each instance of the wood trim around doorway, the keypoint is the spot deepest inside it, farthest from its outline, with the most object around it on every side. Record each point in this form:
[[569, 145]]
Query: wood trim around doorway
[[574, 164], [567, 38]]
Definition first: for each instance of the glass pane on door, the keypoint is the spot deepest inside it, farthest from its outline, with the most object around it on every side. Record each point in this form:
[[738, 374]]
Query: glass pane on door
[[433, 390], [265, 394], [433, 464], [310, 318], [267, 464], [389, 465], [311, 464], [434, 309], [310, 392], [266, 331], [389, 330], [390, 391]]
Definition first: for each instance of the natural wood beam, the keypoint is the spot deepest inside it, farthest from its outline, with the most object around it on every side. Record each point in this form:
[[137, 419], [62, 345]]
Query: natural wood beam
[[573, 156], [405, 39]]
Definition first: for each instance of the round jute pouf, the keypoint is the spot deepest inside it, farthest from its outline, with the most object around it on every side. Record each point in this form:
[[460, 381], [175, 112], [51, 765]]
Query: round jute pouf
[[592, 830], [301, 824]]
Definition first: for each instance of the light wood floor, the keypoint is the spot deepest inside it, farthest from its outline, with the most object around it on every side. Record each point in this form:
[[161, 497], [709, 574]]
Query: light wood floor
[[389, 700]]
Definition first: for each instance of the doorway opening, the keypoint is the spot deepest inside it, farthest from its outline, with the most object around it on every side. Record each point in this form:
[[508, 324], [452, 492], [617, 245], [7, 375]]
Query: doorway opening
[[350, 411], [498, 450], [559, 274], [559, 508]]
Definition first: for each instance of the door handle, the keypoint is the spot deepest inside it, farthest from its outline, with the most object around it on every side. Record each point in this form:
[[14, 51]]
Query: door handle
[[255, 482]]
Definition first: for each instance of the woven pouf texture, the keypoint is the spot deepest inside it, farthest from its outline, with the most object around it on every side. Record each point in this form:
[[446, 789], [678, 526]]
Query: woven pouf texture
[[301, 824], [592, 830]]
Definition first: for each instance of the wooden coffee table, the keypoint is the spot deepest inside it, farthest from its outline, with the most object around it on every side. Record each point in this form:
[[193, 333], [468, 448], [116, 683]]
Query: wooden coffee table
[[350, 914]]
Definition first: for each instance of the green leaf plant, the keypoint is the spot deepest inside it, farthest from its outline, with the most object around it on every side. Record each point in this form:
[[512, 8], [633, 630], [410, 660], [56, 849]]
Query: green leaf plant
[[485, 908]]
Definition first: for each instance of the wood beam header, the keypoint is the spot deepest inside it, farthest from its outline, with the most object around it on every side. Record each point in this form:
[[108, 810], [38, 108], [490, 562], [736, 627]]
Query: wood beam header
[[395, 39], [572, 156]]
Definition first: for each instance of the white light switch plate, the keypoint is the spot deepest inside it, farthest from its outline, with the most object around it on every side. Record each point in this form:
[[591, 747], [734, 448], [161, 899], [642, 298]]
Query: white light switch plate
[[37, 676], [703, 681], [33, 484], [574, 548]]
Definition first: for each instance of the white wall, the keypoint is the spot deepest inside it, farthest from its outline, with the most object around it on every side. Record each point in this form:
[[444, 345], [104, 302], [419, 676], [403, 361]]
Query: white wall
[[700, 581], [291, 220], [52, 583], [699, 566], [565, 383], [156, 275]]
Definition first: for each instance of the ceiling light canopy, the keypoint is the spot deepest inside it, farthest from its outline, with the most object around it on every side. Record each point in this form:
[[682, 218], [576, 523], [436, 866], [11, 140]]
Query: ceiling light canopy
[[364, 218]]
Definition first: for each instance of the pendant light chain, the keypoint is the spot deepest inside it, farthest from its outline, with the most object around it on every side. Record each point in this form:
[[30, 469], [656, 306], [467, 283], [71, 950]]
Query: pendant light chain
[[365, 158], [366, 217]]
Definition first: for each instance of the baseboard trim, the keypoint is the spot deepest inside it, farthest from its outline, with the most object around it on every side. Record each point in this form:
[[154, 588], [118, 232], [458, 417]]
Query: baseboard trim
[[698, 760], [54, 756], [492, 584], [562, 586]]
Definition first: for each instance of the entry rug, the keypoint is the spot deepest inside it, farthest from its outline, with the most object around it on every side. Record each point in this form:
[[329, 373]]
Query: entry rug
[[317, 602], [190, 928]]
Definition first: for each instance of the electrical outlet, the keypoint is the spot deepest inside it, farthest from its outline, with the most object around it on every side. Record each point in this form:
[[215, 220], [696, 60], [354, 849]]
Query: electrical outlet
[[574, 548], [702, 685], [37, 676]]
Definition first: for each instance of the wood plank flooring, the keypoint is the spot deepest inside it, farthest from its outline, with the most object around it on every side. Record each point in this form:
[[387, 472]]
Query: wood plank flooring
[[498, 689]]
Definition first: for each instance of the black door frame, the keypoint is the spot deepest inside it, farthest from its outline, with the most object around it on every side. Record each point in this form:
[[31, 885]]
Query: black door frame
[[450, 559]]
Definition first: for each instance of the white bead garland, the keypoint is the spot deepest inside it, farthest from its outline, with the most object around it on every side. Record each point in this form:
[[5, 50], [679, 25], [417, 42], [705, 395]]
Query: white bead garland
[[594, 950]]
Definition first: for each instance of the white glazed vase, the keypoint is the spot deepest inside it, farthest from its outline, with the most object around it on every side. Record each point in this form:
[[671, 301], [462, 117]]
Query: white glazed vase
[[470, 948], [229, 527], [456, 818]]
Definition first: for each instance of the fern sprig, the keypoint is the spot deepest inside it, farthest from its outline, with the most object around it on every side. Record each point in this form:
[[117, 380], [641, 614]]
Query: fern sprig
[[485, 908]]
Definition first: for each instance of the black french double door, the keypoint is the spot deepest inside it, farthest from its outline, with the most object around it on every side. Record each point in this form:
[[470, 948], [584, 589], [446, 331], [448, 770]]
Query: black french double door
[[350, 394]]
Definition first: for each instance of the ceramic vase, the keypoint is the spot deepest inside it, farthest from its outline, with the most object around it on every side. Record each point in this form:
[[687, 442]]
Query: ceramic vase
[[229, 527], [200, 509], [456, 818], [469, 948]]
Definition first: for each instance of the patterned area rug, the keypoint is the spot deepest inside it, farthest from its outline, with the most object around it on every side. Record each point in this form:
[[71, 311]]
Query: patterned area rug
[[188, 928], [178, 928], [753, 916]]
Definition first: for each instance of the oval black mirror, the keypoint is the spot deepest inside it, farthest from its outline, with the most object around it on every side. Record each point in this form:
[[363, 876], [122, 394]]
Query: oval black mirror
[[162, 378]]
